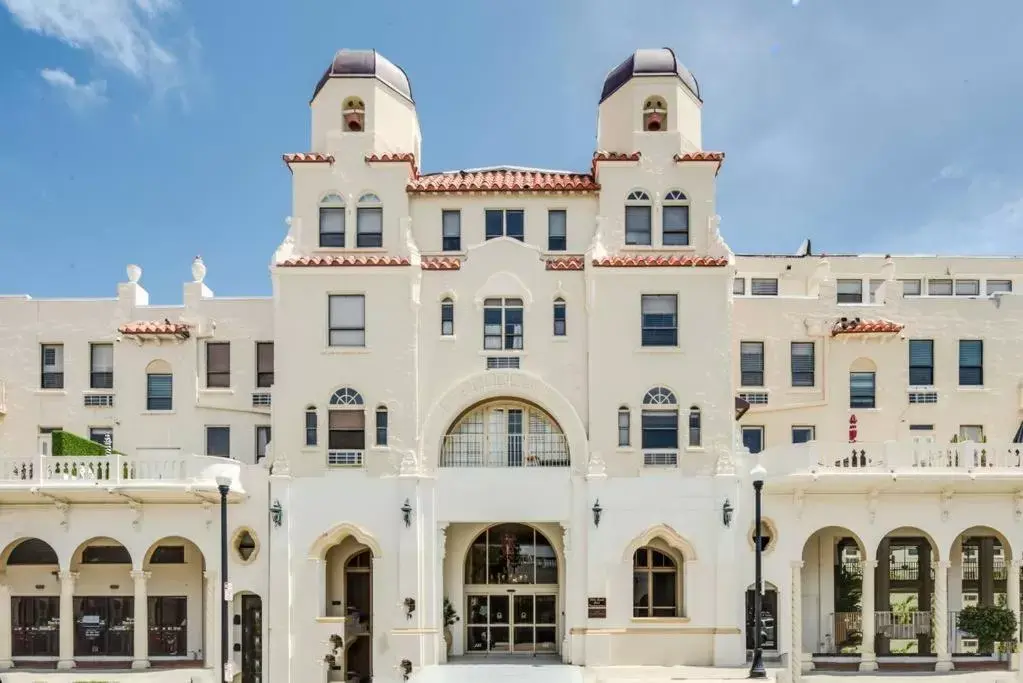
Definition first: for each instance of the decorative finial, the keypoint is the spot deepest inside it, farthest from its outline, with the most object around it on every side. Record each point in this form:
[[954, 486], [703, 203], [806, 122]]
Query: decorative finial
[[198, 269], [134, 273]]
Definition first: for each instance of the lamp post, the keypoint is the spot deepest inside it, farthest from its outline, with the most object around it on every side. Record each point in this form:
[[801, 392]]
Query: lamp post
[[223, 486], [756, 670]]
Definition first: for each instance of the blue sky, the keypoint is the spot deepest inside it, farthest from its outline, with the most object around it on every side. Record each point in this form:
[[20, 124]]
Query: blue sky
[[149, 131]]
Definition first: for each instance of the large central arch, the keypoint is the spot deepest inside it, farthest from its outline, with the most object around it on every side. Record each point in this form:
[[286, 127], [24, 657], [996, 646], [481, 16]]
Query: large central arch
[[493, 384]]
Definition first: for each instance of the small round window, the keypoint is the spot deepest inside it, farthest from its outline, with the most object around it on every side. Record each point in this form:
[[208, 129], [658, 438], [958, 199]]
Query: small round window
[[245, 545], [767, 536]]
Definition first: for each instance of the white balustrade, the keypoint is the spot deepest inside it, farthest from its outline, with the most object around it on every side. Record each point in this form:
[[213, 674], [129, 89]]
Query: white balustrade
[[505, 450], [900, 456]]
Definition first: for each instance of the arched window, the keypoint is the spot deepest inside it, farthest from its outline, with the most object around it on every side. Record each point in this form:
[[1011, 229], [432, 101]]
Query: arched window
[[332, 221], [638, 209], [346, 425], [655, 115], [311, 426], [381, 426], [505, 433], [511, 554], [660, 428], [447, 317], [624, 426], [656, 584], [159, 386], [695, 428], [675, 219], [560, 322], [369, 221], [354, 114]]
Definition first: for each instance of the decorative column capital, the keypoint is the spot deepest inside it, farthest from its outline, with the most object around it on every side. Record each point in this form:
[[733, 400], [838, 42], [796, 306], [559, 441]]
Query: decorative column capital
[[140, 575], [797, 564], [68, 577], [868, 564], [941, 564]]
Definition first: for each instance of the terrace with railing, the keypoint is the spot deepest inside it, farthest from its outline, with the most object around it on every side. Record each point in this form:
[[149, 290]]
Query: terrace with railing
[[827, 458], [505, 450]]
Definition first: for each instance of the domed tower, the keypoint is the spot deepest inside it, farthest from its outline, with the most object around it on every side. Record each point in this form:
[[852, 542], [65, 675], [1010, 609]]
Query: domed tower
[[650, 102], [363, 105]]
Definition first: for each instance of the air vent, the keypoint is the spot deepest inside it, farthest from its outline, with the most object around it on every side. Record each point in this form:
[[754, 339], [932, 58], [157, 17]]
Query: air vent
[[660, 459], [754, 398], [98, 400], [923, 397], [502, 362], [260, 398]]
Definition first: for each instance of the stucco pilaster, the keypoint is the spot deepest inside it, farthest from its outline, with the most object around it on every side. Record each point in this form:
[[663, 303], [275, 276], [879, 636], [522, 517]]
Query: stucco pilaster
[[796, 617], [5, 623], [67, 620], [868, 658], [941, 568], [140, 658]]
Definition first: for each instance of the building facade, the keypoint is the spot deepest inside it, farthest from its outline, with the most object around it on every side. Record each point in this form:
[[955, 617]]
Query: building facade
[[512, 412]]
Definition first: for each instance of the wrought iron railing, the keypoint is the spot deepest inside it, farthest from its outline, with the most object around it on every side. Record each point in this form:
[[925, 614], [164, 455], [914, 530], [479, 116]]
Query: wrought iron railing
[[902, 625], [505, 450]]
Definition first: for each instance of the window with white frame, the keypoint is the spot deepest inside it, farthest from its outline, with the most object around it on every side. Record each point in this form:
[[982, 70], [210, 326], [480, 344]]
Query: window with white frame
[[447, 317], [942, 287], [660, 427], [996, 286], [624, 427], [52, 366], [346, 424], [347, 320], [656, 583], [101, 366], [262, 441], [451, 230], [764, 286], [675, 219], [502, 324], [381, 426], [911, 287], [967, 287], [369, 221], [739, 286], [874, 286], [974, 433], [159, 386], [218, 365], [332, 221], [921, 362], [100, 435], [560, 318], [659, 319], [751, 363], [862, 389], [850, 291], [695, 427], [505, 223], [638, 219], [753, 438], [971, 363], [311, 426], [557, 230], [803, 433], [218, 441]]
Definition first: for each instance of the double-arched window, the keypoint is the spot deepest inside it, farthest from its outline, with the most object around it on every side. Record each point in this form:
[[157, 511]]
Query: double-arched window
[[638, 219], [660, 427], [675, 219], [369, 227], [346, 425], [332, 221]]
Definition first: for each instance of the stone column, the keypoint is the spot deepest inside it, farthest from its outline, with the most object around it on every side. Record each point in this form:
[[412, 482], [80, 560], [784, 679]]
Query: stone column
[[67, 620], [986, 571], [6, 623], [868, 657], [926, 590], [1011, 592], [211, 609], [940, 618], [140, 659], [796, 647]]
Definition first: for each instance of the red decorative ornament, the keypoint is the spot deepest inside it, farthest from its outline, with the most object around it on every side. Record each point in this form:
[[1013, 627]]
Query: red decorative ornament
[[852, 429]]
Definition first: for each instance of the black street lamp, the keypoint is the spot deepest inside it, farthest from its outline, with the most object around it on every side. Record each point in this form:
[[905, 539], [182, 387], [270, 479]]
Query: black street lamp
[[756, 670], [223, 485]]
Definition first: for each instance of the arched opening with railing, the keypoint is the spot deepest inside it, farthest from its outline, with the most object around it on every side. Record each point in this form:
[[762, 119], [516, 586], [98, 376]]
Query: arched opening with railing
[[505, 433]]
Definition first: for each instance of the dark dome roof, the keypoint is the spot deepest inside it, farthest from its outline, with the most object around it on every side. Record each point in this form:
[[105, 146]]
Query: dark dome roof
[[367, 64], [649, 62]]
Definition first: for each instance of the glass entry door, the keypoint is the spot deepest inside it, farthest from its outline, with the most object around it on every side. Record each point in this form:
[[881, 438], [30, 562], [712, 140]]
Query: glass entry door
[[511, 622]]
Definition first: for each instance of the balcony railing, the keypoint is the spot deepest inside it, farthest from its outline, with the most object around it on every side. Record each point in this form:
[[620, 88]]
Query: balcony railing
[[845, 635], [504, 450], [900, 456], [902, 625], [971, 569]]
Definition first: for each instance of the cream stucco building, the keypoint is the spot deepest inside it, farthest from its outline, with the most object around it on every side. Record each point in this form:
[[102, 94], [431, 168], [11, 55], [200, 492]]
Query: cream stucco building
[[534, 394]]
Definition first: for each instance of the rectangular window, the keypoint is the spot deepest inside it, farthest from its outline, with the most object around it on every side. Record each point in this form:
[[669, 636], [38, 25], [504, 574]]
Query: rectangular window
[[451, 230], [381, 426], [218, 365], [310, 426], [803, 433], [101, 366], [100, 434], [505, 223], [739, 286], [32, 625], [850, 291], [911, 288], [803, 364], [52, 357], [659, 314], [262, 441], [218, 441], [764, 286], [447, 318], [660, 430], [159, 391], [637, 226], [560, 321], [751, 363], [332, 226], [939, 288], [557, 230], [753, 438], [971, 363], [347, 430], [921, 362], [861, 390], [994, 286], [369, 226], [624, 427], [874, 286], [347, 319], [502, 324], [264, 364], [675, 225], [974, 433], [967, 287]]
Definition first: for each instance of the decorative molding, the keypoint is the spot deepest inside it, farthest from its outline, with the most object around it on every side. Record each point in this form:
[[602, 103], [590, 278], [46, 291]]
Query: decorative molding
[[946, 506], [872, 500], [140, 575]]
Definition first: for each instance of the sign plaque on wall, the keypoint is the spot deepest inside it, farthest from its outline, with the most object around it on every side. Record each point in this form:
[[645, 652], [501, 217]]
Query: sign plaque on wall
[[597, 608]]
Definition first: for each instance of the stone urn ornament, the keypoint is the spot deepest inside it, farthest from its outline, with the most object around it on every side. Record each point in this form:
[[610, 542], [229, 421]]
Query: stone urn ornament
[[450, 619]]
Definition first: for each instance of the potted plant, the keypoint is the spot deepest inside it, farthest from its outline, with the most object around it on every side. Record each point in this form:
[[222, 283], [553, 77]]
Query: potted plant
[[450, 619], [992, 626]]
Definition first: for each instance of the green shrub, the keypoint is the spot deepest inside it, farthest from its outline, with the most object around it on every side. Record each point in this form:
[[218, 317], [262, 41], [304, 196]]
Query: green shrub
[[989, 625]]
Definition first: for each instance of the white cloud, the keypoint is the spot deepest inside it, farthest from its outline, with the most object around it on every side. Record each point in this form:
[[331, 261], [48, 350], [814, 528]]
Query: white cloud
[[119, 32], [78, 95]]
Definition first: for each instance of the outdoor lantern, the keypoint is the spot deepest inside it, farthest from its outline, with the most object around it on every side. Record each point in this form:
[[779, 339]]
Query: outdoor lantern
[[276, 513], [597, 512], [406, 513], [410, 607], [726, 512]]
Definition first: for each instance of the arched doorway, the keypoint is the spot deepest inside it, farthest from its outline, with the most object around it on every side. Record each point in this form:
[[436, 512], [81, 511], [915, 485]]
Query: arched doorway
[[31, 568], [349, 597], [175, 600], [978, 576], [768, 617], [104, 602], [511, 592], [832, 591]]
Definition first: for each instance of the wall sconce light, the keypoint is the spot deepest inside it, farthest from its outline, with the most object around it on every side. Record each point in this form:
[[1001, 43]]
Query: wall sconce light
[[406, 513], [406, 669], [276, 513], [726, 513], [410, 607], [597, 512]]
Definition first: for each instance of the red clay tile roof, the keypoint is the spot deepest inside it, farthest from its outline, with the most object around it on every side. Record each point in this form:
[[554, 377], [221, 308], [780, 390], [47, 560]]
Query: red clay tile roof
[[565, 263], [611, 156], [654, 261], [702, 156], [857, 326], [308, 158], [440, 263], [341, 261], [501, 180], [154, 327], [406, 157]]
